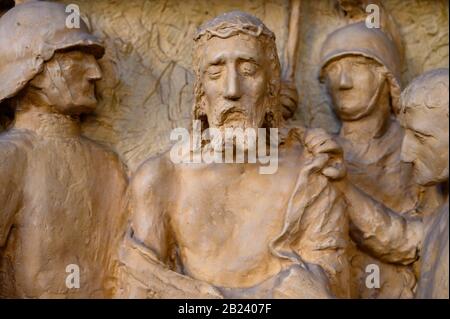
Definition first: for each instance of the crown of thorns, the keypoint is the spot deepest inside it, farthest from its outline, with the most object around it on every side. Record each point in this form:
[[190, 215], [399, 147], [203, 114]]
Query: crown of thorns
[[232, 23]]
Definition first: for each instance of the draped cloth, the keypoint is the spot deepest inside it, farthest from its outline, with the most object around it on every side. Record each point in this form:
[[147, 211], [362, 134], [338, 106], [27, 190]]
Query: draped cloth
[[311, 246], [433, 280]]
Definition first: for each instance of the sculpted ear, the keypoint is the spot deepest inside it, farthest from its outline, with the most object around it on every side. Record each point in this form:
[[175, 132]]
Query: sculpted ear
[[50, 82]]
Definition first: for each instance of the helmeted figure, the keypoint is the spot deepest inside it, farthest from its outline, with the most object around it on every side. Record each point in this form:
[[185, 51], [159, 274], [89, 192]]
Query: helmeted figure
[[399, 238], [361, 67], [364, 164], [61, 194]]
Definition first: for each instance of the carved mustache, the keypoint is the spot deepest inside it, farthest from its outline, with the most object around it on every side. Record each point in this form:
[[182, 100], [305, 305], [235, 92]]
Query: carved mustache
[[231, 113]]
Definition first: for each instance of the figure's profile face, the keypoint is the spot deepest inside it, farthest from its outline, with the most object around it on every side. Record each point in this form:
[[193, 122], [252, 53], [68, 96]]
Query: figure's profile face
[[234, 79], [352, 82], [425, 144], [68, 82]]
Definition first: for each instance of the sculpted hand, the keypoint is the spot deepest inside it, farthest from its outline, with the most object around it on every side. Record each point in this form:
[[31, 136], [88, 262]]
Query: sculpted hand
[[327, 151]]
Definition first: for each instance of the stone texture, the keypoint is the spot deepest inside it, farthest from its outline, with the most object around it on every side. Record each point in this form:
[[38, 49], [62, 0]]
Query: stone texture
[[147, 86], [424, 29]]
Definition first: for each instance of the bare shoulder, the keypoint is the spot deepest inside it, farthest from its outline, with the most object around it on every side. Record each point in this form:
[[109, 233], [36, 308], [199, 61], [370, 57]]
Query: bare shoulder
[[14, 149], [148, 190], [155, 171], [104, 153]]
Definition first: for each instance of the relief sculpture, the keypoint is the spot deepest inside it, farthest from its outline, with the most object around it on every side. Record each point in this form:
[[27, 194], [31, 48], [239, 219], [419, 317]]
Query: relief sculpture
[[55, 211], [255, 195]]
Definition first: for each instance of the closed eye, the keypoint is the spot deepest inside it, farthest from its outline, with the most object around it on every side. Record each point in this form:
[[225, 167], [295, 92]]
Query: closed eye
[[214, 71], [420, 136], [332, 68], [248, 68]]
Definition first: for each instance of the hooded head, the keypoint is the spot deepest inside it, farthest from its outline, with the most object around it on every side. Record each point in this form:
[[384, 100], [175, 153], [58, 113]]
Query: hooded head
[[369, 46]]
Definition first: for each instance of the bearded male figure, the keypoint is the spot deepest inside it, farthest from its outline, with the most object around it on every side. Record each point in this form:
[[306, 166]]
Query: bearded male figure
[[225, 230]]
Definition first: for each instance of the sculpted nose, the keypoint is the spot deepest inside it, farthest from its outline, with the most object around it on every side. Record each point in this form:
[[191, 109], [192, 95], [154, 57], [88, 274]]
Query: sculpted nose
[[232, 90], [345, 79], [406, 151], [94, 73]]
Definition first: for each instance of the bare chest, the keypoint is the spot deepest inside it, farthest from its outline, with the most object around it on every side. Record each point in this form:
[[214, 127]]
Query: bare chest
[[229, 214]]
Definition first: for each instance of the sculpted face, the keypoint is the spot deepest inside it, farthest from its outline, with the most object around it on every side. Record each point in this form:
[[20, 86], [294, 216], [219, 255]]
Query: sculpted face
[[68, 82], [353, 82], [425, 144], [234, 79]]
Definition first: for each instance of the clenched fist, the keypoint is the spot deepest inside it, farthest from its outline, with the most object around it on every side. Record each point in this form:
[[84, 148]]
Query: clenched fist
[[327, 153]]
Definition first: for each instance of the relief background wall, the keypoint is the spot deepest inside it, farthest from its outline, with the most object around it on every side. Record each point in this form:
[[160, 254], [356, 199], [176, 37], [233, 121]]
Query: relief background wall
[[146, 88]]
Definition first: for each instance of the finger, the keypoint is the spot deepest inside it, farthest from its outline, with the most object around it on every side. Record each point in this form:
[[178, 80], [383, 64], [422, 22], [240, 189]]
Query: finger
[[312, 134], [316, 164], [315, 140], [333, 173], [335, 168], [323, 143], [313, 143], [328, 146]]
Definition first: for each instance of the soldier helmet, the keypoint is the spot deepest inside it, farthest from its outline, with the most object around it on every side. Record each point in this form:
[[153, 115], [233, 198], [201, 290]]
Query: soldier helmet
[[30, 34]]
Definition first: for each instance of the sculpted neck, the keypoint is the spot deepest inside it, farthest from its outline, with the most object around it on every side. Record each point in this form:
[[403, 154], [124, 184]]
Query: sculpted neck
[[45, 122], [372, 126]]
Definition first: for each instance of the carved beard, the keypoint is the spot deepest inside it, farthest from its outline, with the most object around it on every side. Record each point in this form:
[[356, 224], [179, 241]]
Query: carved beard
[[236, 117]]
